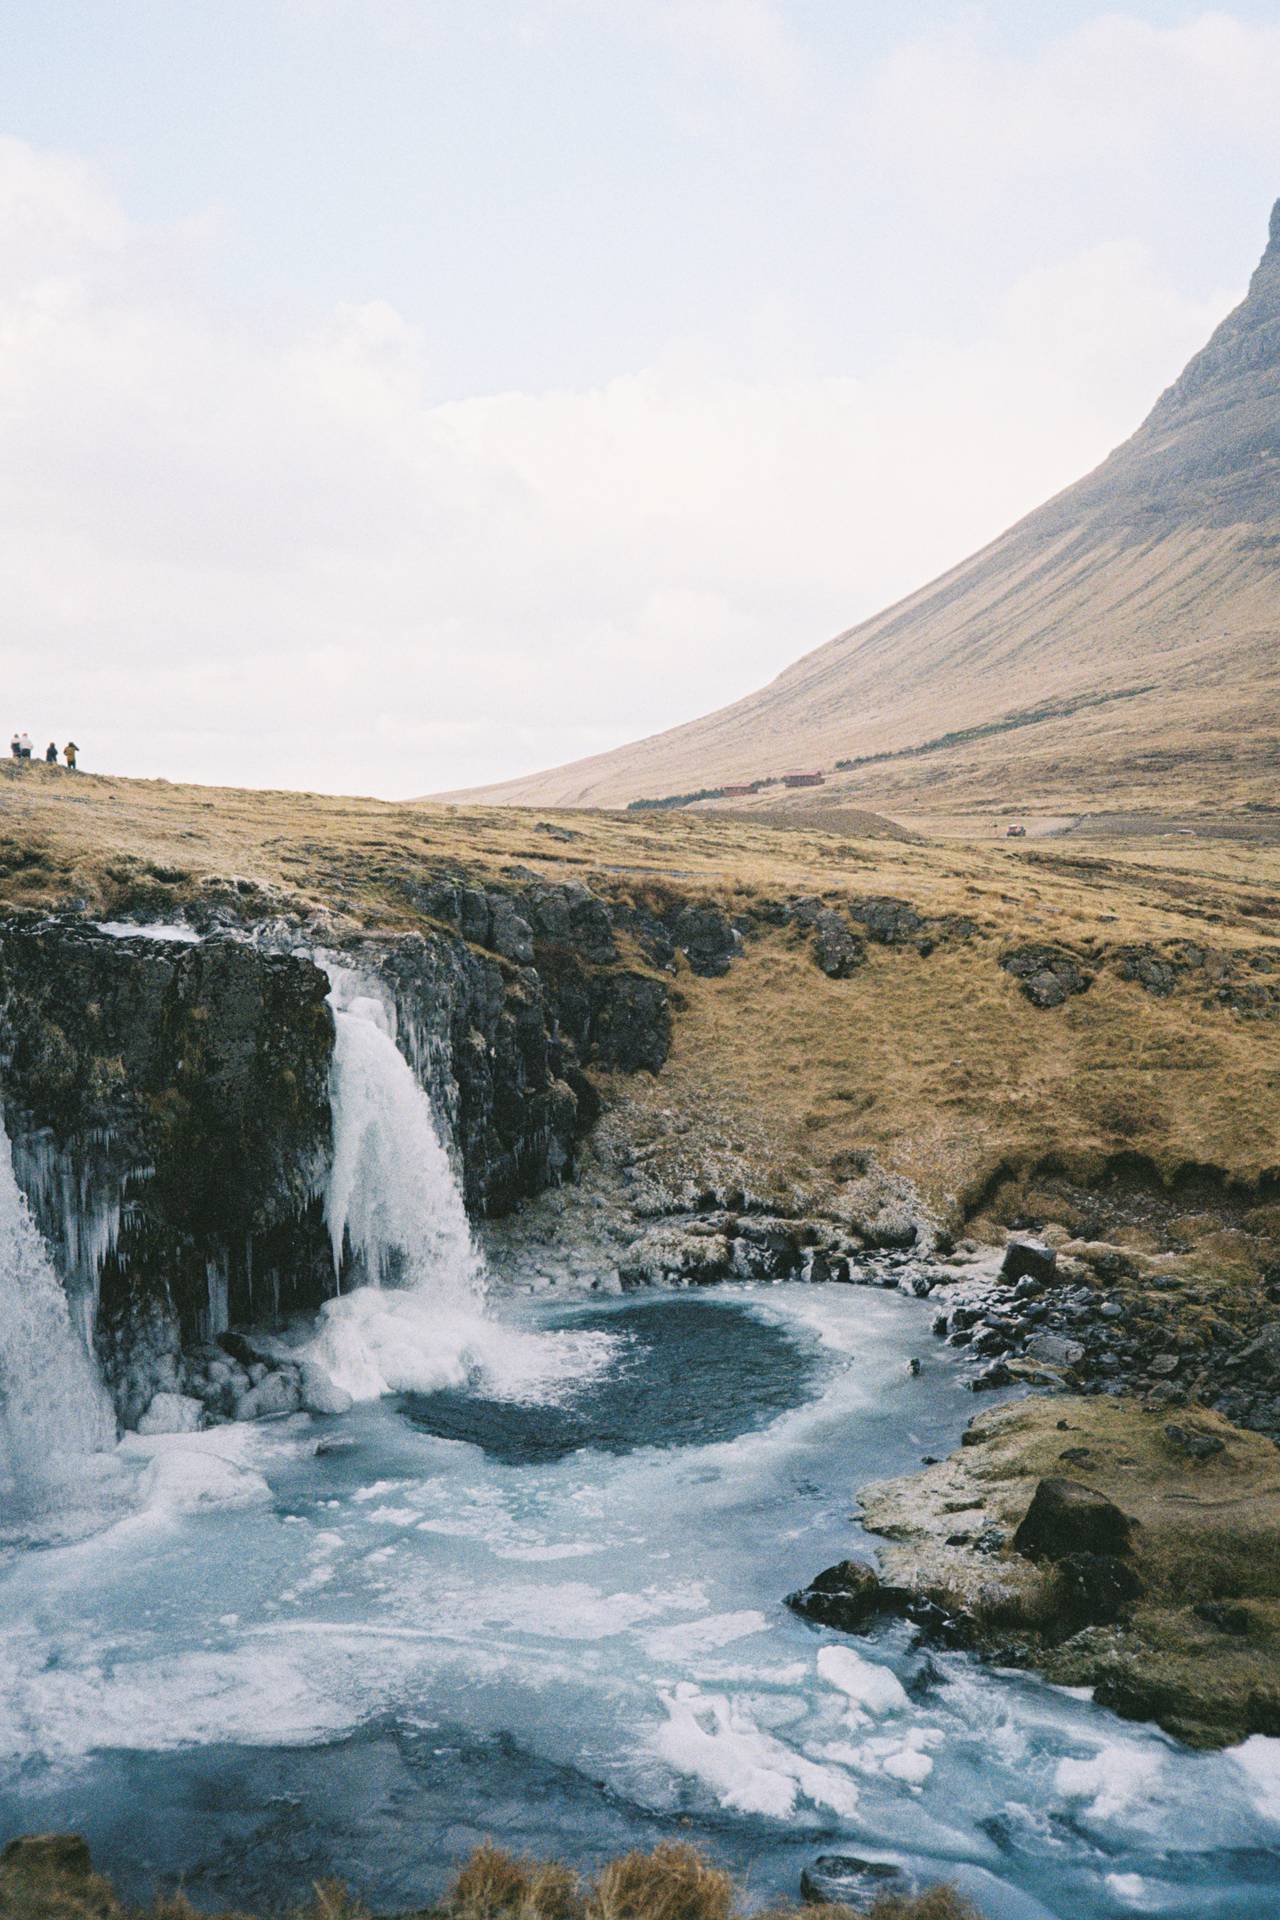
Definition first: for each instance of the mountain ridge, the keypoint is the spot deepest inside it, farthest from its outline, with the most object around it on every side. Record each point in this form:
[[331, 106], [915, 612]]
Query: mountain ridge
[[1153, 583]]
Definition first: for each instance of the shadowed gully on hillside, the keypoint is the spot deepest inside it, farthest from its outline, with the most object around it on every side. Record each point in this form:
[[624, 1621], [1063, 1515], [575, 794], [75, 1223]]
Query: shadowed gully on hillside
[[1116, 647]]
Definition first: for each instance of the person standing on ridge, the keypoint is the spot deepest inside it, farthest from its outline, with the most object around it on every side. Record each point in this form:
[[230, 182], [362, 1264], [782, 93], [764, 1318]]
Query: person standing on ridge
[[24, 744], [15, 745], [69, 753], [51, 755]]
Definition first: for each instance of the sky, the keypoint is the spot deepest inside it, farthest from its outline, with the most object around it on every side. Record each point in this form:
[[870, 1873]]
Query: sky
[[398, 395]]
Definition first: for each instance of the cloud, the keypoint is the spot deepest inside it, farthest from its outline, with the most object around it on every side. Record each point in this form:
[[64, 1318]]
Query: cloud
[[1117, 107], [275, 552], [279, 561]]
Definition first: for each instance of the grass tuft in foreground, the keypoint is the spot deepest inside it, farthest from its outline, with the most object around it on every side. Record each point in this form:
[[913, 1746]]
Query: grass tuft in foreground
[[50, 1877]]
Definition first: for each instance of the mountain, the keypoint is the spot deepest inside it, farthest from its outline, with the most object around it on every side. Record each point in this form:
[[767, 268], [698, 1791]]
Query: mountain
[[1115, 649]]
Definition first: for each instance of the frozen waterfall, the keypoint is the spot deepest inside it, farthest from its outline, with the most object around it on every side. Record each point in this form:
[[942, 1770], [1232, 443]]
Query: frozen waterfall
[[397, 1221], [54, 1409], [393, 1200]]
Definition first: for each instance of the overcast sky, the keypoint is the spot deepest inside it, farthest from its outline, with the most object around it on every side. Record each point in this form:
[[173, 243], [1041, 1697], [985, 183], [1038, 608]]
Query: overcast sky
[[401, 394]]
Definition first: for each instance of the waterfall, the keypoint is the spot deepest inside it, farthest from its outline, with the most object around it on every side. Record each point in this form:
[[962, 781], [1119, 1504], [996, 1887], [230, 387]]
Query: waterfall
[[393, 1201], [397, 1221], [398, 1224], [54, 1410]]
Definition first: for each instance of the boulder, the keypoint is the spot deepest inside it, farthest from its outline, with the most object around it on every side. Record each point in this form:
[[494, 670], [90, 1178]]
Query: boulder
[[1054, 1350], [172, 1413], [1029, 1259], [319, 1394], [706, 939], [845, 1596], [1199, 1446], [845, 1880], [274, 1393], [891, 922], [1048, 975], [836, 950], [1066, 1517]]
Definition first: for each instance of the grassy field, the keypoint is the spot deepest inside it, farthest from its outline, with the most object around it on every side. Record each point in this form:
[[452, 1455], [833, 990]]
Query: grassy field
[[937, 1064]]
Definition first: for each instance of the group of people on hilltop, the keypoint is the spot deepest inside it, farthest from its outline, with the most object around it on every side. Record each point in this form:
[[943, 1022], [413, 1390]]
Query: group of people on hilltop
[[21, 749]]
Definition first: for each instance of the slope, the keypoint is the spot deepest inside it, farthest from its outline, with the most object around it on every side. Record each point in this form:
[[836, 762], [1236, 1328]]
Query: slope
[[1117, 648]]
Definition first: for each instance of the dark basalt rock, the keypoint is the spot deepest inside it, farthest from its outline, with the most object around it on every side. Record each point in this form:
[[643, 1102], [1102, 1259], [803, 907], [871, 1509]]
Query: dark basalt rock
[[706, 939], [1199, 1446], [836, 950], [891, 923], [845, 1596], [1147, 967], [1029, 1259], [1047, 975], [178, 1094], [1067, 1518], [845, 1880]]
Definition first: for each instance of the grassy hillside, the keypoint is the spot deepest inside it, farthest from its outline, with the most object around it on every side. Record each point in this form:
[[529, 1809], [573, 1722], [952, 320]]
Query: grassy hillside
[[936, 1062], [1116, 649]]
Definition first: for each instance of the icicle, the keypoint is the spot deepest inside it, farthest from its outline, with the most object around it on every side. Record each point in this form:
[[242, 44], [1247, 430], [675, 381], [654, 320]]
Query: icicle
[[53, 1407]]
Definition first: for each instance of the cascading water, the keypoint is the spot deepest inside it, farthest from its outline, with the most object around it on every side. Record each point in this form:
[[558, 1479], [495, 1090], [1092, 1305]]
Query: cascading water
[[393, 1200], [54, 1411], [398, 1224]]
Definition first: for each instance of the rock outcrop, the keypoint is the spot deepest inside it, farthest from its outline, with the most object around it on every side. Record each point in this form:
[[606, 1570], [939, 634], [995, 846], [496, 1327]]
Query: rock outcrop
[[168, 1099], [168, 1109]]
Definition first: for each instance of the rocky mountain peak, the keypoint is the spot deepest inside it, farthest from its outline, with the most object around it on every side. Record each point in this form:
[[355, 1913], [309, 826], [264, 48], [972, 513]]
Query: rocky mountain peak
[[1209, 451]]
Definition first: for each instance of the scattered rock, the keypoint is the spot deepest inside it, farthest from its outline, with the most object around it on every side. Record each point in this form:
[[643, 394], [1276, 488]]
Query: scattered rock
[[1149, 968], [845, 1880], [172, 1413], [1048, 975], [1067, 1518], [1031, 1259], [836, 950], [845, 1596]]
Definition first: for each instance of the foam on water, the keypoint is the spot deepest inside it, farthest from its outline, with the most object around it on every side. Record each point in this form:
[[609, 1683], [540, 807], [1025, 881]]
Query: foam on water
[[377, 1341], [714, 1738]]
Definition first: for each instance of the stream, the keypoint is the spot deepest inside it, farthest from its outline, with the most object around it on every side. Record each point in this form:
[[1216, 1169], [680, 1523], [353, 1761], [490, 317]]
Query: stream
[[529, 1588], [546, 1608]]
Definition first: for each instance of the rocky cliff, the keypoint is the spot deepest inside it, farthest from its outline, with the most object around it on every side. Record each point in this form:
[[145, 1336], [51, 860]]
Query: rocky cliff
[[168, 1106]]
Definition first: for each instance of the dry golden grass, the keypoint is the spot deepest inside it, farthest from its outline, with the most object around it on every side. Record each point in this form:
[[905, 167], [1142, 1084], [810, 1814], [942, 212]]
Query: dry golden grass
[[937, 1066], [1208, 1533], [674, 1882], [942, 1069]]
